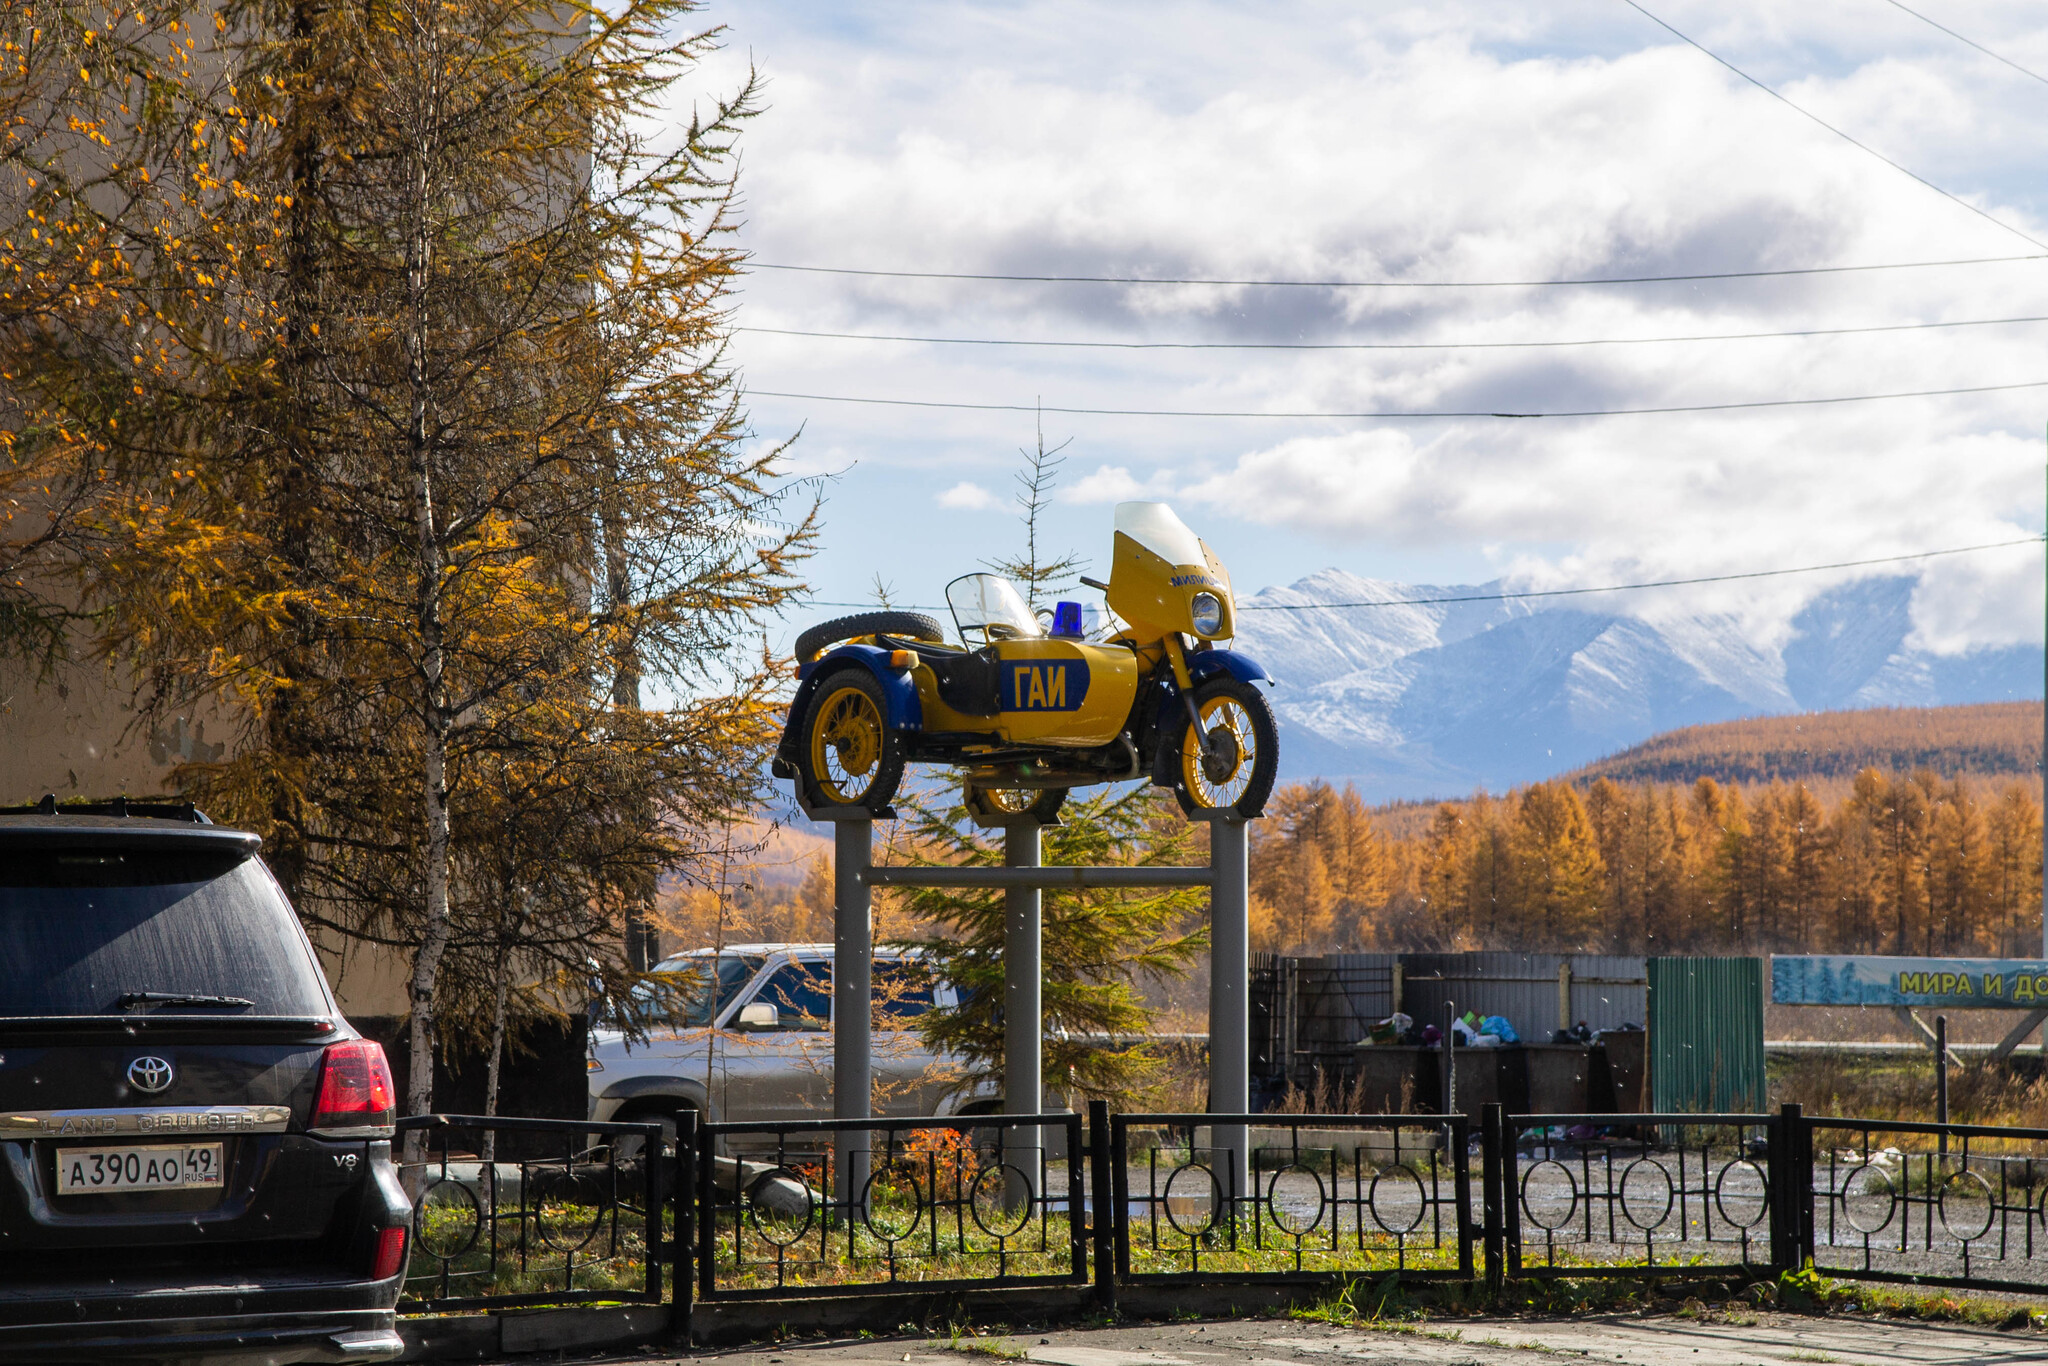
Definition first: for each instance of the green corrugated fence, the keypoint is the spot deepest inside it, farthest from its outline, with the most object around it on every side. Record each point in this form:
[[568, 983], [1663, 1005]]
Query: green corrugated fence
[[1706, 1035]]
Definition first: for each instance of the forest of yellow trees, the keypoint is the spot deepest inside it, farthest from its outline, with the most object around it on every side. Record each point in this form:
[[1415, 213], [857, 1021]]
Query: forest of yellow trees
[[1913, 864], [1901, 864]]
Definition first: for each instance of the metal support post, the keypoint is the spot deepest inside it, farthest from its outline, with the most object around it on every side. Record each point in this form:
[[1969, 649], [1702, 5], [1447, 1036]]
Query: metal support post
[[1791, 1195], [1493, 1132], [853, 953], [1941, 1077], [1023, 1027], [1230, 994], [1450, 1088], [1101, 1204], [682, 1252]]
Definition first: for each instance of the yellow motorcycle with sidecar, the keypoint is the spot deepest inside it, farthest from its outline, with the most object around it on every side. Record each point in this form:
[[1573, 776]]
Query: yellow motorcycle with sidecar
[[1033, 705]]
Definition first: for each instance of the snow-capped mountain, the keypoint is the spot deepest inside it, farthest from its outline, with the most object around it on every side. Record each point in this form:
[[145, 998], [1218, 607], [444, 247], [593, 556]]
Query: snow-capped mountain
[[1427, 699]]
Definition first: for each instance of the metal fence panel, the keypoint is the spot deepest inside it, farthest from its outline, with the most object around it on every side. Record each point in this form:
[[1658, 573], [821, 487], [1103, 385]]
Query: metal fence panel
[[582, 1223], [1326, 1198], [1603, 990], [949, 1204], [1706, 1034], [1934, 1204], [1662, 1195]]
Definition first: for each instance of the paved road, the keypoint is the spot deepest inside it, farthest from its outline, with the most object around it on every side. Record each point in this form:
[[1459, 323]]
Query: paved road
[[1716, 1339]]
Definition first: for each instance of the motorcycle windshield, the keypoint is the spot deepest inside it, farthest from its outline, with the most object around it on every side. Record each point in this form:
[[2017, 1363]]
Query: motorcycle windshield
[[988, 608], [1153, 526]]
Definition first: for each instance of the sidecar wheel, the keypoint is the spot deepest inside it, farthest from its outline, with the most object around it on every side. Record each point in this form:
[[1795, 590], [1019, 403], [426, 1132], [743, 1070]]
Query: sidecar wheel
[[1041, 804], [1239, 777], [849, 756]]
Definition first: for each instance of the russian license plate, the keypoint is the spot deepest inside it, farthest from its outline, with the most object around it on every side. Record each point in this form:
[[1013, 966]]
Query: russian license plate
[[158, 1167]]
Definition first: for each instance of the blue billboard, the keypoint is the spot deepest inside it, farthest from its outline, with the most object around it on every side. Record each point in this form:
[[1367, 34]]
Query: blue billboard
[[1957, 983]]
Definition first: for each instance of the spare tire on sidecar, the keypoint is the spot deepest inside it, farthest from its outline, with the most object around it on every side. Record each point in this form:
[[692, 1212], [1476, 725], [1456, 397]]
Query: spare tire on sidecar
[[909, 625]]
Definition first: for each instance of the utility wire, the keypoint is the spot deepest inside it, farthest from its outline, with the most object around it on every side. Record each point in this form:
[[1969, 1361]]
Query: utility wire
[[1987, 217], [1578, 412], [1571, 592], [1961, 39], [1630, 587], [1396, 284], [1383, 346]]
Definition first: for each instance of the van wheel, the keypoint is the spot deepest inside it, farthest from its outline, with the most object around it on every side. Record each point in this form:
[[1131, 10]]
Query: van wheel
[[632, 1148]]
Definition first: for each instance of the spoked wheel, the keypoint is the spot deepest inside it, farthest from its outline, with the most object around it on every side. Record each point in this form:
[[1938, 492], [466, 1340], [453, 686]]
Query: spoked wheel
[[1042, 804], [849, 755], [1236, 774]]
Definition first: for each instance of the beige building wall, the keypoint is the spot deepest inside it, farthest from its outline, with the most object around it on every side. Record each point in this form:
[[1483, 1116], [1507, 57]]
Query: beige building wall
[[76, 733]]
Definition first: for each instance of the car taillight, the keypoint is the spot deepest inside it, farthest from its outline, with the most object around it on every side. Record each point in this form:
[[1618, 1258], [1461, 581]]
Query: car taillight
[[355, 1088], [390, 1254]]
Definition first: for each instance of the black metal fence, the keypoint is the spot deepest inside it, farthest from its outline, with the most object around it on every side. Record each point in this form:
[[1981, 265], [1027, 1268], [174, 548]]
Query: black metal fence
[[1583, 1196], [851, 1207], [738, 1212], [510, 1212], [1316, 1197]]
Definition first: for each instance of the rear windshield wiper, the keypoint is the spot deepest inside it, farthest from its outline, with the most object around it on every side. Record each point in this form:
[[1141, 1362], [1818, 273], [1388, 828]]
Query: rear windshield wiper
[[131, 999]]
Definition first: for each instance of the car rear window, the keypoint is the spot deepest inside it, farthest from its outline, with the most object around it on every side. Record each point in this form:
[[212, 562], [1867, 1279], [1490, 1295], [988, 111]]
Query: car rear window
[[82, 928]]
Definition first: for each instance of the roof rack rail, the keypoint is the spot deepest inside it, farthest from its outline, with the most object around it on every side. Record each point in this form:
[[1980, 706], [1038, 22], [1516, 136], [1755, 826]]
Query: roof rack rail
[[119, 806]]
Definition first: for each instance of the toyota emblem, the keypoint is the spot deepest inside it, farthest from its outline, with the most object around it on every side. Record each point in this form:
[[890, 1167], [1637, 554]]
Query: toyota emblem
[[149, 1074]]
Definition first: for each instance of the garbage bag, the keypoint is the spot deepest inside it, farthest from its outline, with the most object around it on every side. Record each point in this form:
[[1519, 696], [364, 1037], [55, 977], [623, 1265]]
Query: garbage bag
[[1390, 1030], [1498, 1026]]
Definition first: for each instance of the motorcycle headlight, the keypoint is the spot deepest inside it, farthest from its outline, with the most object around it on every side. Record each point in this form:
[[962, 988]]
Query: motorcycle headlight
[[1208, 614]]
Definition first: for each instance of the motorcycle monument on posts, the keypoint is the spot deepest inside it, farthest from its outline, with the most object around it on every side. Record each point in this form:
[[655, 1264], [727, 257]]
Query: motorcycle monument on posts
[[1031, 707]]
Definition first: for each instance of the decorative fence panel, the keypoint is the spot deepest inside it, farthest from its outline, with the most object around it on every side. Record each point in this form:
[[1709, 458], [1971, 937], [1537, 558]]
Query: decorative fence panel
[[1661, 1194], [952, 1204], [1948, 1204], [575, 1215], [1322, 1197]]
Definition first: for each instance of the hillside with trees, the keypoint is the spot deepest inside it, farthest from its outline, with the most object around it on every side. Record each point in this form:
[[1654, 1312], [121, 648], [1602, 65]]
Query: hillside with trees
[[1991, 740], [1901, 863]]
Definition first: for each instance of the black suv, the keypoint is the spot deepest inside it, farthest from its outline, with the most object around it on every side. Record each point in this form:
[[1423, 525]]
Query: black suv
[[195, 1148]]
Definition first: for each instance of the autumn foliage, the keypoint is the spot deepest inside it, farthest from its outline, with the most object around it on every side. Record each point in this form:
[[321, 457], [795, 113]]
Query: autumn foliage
[[1908, 864]]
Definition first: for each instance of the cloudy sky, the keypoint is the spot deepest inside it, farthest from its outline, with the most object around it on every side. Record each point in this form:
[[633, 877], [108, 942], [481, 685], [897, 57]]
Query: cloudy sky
[[1424, 144]]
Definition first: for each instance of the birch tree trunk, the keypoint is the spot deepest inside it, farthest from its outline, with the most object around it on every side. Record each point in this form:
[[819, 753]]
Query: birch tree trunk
[[433, 709]]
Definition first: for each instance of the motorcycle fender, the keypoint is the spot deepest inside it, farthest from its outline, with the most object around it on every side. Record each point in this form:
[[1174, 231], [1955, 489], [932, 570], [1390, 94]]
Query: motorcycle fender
[[1208, 663], [906, 712], [1202, 665]]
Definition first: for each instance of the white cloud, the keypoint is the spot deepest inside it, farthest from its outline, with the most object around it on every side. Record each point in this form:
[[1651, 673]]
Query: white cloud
[[967, 496], [1445, 141], [1116, 484]]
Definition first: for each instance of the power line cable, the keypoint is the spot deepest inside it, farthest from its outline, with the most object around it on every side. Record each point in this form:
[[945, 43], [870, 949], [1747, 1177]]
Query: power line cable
[[1987, 217], [1394, 284], [1384, 346], [1447, 413], [1630, 587], [1972, 42], [1572, 592]]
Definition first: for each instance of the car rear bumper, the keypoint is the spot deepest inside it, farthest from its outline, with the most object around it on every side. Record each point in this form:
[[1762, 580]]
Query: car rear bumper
[[240, 1339]]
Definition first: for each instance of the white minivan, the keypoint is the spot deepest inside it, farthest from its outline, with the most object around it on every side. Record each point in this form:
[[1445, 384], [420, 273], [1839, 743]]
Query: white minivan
[[754, 1042]]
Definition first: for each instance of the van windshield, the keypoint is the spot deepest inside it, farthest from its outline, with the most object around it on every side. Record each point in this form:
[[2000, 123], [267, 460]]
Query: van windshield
[[689, 993], [169, 933]]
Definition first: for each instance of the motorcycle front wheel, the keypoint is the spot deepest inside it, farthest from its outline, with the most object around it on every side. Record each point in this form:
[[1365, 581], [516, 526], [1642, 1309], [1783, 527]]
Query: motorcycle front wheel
[[1237, 772], [849, 756]]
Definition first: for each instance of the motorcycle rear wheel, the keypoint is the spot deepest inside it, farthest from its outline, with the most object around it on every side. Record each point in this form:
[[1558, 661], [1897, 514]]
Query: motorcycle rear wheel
[[849, 756], [1239, 778]]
